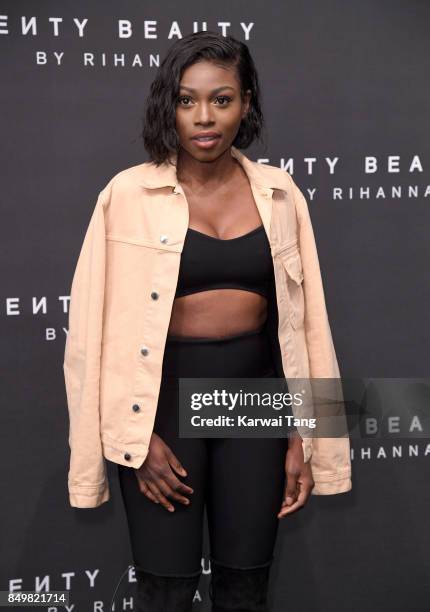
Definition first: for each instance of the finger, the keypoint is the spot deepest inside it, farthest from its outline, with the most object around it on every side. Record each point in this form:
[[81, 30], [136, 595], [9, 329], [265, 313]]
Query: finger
[[176, 484], [301, 500], [291, 489], [146, 491], [290, 495], [175, 463], [158, 494], [169, 492], [179, 489]]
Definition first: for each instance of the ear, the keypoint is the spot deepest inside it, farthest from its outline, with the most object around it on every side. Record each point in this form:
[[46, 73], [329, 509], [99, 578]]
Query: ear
[[247, 103]]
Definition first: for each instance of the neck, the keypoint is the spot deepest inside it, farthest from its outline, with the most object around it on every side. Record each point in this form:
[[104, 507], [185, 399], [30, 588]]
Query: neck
[[194, 173]]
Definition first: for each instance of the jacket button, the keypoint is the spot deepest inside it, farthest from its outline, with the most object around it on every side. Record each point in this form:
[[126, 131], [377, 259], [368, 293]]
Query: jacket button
[[155, 295], [163, 238], [144, 351], [136, 407], [127, 456]]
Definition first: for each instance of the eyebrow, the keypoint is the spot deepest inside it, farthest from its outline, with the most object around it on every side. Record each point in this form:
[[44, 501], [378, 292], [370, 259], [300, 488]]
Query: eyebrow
[[213, 92]]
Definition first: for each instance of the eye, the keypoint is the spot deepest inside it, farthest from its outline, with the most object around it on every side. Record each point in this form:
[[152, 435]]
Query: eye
[[224, 98], [182, 98], [227, 99]]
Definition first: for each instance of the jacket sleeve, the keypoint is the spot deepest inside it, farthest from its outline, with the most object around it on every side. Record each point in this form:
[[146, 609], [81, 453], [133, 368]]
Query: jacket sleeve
[[87, 479], [330, 460]]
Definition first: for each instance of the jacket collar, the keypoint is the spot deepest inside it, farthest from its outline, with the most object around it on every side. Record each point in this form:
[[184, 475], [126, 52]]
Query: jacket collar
[[258, 174]]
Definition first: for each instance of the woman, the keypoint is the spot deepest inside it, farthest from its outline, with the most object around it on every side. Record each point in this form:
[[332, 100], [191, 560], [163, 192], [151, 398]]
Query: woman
[[222, 322]]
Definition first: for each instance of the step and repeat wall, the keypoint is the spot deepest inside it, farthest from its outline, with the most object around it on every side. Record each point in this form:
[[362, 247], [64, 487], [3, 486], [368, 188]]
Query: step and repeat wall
[[346, 100]]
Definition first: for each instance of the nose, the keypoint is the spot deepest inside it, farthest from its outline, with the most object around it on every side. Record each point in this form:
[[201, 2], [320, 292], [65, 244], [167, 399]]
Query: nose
[[203, 113]]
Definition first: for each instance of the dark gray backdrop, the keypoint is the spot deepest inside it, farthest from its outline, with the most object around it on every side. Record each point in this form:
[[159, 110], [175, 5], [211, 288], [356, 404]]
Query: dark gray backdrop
[[339, 79]]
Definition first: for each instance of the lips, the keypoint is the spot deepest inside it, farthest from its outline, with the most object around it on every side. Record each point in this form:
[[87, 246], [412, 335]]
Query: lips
[[206, 140], [206, 136]]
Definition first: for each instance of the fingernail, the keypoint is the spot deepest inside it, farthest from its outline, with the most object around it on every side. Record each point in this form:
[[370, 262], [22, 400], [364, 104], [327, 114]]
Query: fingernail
[[289, 500]]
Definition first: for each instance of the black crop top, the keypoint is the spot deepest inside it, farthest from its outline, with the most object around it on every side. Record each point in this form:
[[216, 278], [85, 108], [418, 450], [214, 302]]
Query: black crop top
[[244, 262]]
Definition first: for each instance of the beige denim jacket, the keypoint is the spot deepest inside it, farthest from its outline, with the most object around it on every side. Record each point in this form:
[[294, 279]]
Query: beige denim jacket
[[120, 307]]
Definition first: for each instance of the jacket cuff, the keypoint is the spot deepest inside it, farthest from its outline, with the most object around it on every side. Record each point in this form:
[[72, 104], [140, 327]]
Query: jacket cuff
[[307, 449], [88, 497], [332, 487]]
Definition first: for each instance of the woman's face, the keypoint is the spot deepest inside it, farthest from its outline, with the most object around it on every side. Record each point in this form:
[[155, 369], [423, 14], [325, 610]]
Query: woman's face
[[209, 101]]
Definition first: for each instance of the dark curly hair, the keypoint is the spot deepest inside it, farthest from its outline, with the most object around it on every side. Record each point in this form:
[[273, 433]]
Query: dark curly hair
[[159, 134]]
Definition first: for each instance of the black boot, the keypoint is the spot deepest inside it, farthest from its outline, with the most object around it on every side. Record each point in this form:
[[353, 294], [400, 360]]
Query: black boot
[[241, 590], [165, 593]]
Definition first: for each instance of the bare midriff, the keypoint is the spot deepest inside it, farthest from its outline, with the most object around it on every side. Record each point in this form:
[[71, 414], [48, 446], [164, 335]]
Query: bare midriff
[[216, 313]]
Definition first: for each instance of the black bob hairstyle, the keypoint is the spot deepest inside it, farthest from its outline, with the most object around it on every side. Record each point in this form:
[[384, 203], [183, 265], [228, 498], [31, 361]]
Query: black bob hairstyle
[[159, 134]]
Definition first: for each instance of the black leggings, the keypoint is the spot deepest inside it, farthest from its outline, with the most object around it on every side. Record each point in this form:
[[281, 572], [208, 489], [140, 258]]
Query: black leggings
[[239, 480]]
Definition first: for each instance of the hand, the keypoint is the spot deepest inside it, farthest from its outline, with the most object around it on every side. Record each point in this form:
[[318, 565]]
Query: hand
[[156, 478], [299, 482]]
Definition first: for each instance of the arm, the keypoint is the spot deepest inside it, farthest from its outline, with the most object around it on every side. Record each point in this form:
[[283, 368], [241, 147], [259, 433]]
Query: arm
[[87, 480], [330, 459]]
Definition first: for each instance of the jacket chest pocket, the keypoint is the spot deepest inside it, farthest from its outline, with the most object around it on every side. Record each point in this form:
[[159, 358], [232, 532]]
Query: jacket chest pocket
[[292, 284]]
